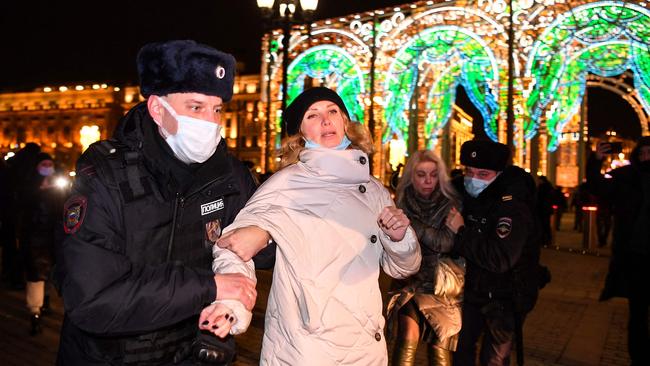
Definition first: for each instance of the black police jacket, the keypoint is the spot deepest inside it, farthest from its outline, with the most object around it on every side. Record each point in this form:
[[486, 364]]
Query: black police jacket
[[501, 241], [135, 268]]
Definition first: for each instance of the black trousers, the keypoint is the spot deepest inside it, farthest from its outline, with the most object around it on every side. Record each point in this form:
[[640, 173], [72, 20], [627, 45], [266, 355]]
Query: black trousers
[[637, 331], [498, 328]]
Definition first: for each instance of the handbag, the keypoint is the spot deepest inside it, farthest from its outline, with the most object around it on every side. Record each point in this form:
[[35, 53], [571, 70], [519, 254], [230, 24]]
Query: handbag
[[449, 277]]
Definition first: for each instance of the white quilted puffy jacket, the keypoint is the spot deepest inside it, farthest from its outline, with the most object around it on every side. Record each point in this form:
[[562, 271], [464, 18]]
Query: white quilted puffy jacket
[[325, 305]]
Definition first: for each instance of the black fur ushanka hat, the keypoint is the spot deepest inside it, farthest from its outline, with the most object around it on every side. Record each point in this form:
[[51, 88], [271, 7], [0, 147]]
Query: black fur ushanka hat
[[484, 154], [184, 66]]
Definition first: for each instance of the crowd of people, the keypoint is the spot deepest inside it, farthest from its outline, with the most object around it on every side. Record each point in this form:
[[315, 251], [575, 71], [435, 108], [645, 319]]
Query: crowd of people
[[163, 231]]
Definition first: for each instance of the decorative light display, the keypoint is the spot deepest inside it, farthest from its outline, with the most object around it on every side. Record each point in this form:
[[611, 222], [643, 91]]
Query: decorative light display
[[333, 67], [604, 38], [403, 65], [445, 56]]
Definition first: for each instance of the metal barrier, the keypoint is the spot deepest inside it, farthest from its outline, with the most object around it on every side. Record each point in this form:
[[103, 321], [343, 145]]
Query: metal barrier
[[589, 229]]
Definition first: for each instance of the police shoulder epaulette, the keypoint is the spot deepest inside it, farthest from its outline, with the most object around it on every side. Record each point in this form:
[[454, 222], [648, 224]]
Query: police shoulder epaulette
[[506, 198]]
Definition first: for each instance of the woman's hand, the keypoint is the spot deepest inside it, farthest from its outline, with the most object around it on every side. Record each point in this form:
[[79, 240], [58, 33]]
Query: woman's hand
[[454, 220], [393, 222], [245, 241], [217, 319]]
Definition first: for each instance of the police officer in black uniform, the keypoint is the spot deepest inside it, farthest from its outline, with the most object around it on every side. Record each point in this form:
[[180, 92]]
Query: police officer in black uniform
[[135, 267], [498, 234]]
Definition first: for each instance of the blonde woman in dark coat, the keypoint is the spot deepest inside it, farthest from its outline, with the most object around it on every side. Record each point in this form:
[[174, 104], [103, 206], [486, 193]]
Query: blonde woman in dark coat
[[427, 308]]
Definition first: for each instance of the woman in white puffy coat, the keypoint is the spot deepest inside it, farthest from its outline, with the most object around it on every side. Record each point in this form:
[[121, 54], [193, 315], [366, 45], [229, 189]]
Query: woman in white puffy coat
[[334, 225]]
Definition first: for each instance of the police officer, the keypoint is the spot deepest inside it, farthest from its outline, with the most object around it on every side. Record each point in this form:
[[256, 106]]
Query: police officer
[[498, 234], [135, 268], [628, 190]]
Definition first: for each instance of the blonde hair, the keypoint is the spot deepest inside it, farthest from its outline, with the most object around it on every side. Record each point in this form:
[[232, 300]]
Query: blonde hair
[[416, 158], [358, 134]]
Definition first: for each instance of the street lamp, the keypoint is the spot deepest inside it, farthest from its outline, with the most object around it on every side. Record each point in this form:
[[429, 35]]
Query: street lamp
[[285, 14]]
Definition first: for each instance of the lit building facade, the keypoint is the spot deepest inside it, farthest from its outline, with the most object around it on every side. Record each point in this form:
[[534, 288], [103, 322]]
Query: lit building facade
[[66, 119], [60, 119]]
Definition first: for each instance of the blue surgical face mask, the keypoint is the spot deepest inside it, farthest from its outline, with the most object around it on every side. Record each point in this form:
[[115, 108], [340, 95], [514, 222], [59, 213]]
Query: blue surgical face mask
[[475, 186], [345, 142], [46, 171]]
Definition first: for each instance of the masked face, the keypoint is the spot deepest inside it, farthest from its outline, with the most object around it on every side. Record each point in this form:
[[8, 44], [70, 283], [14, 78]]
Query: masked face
[[196, 135], [476, 180], [45, 168]]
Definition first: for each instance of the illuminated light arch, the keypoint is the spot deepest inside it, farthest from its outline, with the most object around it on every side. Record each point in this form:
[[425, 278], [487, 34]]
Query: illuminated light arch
[[625, 91], [604, 38], [448, 55], [353, 37], [336, 68]]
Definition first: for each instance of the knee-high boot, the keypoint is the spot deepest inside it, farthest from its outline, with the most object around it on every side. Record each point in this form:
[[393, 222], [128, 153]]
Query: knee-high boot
[[404, 352], [439, 356]]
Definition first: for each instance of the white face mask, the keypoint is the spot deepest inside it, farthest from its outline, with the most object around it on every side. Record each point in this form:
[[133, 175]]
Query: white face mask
[[475, 186], [195, 140]]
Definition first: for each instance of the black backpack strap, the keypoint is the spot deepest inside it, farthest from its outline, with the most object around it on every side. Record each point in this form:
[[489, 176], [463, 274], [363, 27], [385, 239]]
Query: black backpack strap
[[132, 159], [121, 167]]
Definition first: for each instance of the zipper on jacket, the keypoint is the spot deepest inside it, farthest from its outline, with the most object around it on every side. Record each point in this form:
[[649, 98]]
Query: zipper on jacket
[[170, 244]]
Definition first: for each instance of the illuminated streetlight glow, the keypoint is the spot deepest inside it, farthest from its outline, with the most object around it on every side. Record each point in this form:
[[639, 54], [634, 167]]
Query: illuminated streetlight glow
[[61, 182], [88, 135]]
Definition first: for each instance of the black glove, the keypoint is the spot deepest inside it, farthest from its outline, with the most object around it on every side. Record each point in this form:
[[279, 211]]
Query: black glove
[[209, 349]]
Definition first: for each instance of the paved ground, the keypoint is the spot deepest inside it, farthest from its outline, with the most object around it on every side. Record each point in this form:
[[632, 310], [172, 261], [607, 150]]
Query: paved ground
[[567, 327]]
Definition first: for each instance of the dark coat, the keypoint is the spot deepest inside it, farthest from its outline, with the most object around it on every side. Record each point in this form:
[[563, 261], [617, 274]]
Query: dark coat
[[135, 268], [501, 241], [39, 225], [629, 273]]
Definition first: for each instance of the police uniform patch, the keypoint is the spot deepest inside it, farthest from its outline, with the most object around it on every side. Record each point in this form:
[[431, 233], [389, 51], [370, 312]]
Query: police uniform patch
[[504, 226], [213, 230], [74, 213]]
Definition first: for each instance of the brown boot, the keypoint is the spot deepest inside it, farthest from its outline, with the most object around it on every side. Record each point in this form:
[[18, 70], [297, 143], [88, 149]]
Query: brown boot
[[439, 356], [404, 352]]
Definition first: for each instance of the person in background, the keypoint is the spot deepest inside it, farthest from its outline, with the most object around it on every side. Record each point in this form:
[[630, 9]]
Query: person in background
[[19, 168], [581, 198], [37, 232], [545, 208], [146, 208], [628, 189], [335, 226], [499, 236], [423, 307], [559, 201], [603, 219]]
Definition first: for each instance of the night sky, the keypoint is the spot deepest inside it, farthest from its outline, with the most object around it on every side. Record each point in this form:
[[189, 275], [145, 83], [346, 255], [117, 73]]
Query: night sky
[[69, 42]]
